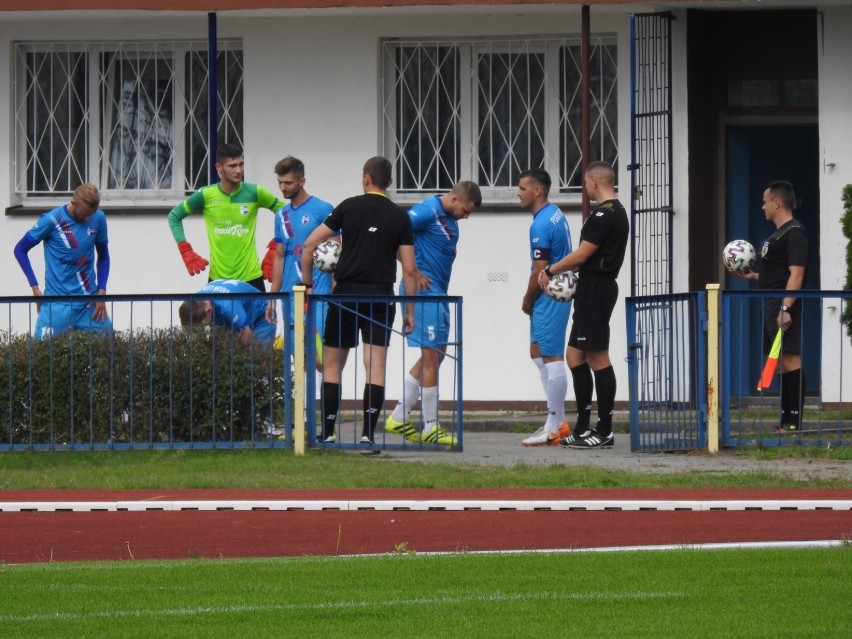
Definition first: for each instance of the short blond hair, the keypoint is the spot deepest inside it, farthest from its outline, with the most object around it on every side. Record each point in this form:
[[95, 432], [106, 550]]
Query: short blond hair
[[87, 194]]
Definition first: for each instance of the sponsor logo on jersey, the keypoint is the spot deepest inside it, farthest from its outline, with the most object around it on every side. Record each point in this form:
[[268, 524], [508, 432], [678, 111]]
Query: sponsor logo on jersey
[[237, 230], [599, 214], [373, 229]]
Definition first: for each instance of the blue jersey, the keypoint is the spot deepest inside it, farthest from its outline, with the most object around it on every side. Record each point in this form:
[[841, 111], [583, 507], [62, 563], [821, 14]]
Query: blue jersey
[[436, 234], [292, 227], [69, 250], [550, 238], [237, 313]]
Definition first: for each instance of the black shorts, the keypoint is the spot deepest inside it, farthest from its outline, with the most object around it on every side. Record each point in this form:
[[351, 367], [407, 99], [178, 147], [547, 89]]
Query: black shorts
[[370, 317], [594, 302], [792, 340]]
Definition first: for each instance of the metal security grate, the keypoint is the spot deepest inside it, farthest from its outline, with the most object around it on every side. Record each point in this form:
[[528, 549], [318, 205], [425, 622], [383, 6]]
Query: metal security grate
[[130, 116], [485, 110], [651, 165]]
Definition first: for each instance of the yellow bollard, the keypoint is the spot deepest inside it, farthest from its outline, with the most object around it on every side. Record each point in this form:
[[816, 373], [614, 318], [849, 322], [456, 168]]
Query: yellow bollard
[[713, 368]]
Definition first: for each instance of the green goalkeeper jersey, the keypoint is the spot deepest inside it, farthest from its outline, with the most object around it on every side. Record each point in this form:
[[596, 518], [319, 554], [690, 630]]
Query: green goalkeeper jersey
[[231, 219]]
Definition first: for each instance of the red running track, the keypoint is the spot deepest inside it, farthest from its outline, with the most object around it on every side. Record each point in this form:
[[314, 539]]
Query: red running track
[[84, 536]]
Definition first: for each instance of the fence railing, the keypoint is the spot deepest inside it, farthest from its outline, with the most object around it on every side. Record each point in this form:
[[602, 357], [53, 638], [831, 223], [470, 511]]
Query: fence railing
[[151, 383], [692, 364]]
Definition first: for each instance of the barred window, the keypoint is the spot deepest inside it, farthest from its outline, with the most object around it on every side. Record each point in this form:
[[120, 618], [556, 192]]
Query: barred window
[[129, 116], [485, 110]]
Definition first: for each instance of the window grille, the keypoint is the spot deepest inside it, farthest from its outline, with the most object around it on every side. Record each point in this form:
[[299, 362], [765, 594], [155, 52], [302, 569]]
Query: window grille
[[485, 110], [129, 116]]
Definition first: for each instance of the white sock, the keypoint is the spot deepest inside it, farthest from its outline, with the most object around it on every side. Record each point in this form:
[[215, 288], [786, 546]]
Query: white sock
[[542, 371], [429, 407], [410, 395], [557, 388], [318, 385]]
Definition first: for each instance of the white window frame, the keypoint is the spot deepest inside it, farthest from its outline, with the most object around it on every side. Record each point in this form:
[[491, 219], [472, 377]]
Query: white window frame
[[94, 107], [467, 120]]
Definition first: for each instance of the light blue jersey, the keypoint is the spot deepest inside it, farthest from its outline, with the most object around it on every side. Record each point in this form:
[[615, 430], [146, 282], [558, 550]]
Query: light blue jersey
[[436, 234], [550, 239], [69, 251], [292, 227], [241, 312]]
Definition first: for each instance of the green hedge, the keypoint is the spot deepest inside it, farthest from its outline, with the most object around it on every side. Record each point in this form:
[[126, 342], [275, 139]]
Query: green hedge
[[163, 385], [846, 225]]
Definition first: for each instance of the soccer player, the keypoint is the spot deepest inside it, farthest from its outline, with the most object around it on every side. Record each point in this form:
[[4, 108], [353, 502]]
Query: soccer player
[[550, 241], [230, 214], [435, 222], [294, 222], [376, 233], [783, 258], [72, 234], [598, 259], [246, 316]]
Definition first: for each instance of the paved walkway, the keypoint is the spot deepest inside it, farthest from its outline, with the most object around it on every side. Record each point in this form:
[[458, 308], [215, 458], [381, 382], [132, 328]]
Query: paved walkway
[[488, 446]]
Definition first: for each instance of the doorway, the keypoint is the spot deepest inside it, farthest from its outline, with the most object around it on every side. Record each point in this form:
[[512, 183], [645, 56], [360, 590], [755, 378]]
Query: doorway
[[756, 154]]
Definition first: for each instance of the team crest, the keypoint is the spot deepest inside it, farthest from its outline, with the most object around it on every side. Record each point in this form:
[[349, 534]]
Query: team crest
[[305, 219], [244, 210], [764, 249], [91, 232]]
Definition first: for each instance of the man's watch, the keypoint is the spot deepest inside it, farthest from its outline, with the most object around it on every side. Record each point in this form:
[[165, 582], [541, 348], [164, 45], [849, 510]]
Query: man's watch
[[785, 308], [311, 285], [547, 271]]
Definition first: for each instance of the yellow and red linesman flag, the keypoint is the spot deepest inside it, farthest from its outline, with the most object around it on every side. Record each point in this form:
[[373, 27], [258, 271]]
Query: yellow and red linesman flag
[[771, 362]]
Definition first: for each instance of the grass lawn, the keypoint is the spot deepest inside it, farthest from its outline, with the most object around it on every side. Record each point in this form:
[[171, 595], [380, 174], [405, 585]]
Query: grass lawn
[[682, 593], [334, 469]]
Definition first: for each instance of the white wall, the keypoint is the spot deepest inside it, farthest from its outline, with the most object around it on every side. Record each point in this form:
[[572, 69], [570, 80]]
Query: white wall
[[311, 90], [835, 103]]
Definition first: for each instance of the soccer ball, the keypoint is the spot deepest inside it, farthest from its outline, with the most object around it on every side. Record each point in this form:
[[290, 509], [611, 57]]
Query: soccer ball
[[562, 286], [739, 256], [326, 256]]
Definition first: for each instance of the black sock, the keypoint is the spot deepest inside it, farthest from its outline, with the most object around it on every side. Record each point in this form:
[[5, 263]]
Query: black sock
[[330, 406], [792, 397], [605, 391], [584, 386], [374, 400]]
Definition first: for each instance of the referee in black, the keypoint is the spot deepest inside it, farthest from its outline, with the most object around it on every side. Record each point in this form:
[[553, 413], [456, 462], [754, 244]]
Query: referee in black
[[375, 233], [597, 260]]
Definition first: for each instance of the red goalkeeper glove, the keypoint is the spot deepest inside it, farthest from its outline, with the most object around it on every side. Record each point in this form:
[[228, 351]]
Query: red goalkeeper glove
[[194, 262], [269, 260]]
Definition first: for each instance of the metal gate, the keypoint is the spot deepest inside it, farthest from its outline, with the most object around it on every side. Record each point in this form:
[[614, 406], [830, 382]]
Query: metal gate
[[651, 154], [667, 347]]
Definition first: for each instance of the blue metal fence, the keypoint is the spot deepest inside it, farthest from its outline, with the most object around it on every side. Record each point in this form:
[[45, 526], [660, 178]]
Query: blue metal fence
[[667, 371], [351, 418], [671, 386], [149, 383]]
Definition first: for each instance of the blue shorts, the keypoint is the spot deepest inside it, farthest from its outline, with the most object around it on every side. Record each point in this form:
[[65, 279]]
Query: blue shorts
[[431, 324], [548, 324], [57, 317], [264, 332]]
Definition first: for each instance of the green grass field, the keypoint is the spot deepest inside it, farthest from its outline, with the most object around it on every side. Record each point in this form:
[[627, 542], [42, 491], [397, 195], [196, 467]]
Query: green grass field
[[332, 469], [681, 593]]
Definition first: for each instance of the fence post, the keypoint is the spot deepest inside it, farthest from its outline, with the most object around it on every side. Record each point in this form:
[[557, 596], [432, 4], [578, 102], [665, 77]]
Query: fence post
[[298, 368], [713, 385]]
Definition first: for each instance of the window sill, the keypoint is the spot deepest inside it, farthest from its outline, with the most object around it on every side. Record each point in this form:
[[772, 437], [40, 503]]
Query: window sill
[[32, 211]]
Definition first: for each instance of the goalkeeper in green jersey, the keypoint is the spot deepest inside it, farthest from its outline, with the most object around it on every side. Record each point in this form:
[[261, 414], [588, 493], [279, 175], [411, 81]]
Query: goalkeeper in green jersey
[[230, 214]]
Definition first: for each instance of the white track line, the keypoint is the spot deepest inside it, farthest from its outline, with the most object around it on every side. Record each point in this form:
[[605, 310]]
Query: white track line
[[427, 505]]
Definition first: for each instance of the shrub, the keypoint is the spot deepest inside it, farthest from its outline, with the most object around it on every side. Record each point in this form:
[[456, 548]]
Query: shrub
[[846, 225], [139, 387]]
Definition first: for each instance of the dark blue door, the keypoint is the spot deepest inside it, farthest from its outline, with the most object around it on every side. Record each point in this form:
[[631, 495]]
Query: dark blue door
[[756, 155]]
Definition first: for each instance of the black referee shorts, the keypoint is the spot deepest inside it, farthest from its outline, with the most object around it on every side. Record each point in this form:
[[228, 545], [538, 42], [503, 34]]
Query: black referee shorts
[[371, 318], [594, 302]]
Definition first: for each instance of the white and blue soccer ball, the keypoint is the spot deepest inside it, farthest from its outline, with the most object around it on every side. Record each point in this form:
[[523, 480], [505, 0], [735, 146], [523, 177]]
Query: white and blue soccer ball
[[562, 286], [326, 256], [739, 256]]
